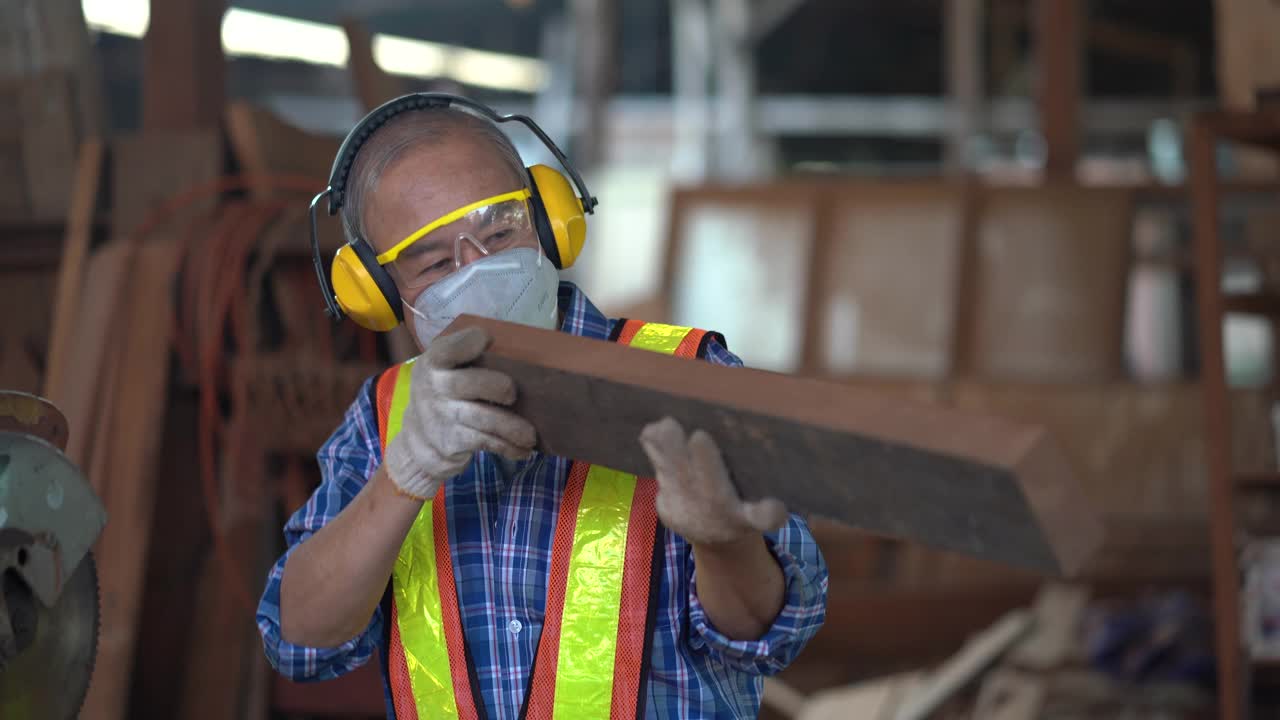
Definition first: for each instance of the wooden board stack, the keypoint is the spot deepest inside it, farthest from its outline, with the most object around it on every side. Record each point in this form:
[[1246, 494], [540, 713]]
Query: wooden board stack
[[110, 372]]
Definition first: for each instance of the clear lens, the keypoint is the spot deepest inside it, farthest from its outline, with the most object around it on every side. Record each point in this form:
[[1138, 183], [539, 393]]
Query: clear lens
[[484, 231]]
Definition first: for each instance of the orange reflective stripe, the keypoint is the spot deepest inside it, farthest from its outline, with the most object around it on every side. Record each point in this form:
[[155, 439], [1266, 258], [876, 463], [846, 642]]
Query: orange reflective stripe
[[386, 387], [542, 690], [427, 657], [629, 330], [634, 616], [688, 347], [451, 614]]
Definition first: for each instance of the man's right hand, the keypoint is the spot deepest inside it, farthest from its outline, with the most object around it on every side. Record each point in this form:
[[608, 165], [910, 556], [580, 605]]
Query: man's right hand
[[454, 412]]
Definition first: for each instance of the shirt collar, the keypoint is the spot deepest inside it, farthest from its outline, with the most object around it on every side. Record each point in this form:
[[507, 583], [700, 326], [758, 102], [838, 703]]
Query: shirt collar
[[581, 316]]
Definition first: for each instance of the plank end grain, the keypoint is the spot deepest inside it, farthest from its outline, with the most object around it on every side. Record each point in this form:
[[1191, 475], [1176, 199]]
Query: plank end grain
[[956, 480]]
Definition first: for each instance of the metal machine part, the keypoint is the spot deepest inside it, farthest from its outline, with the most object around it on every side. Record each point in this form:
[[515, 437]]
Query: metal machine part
[[32, 415], [47, 677], [49, 519]]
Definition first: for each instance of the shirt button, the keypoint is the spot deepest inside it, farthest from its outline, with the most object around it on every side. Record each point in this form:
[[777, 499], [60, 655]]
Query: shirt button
[[515, 627]]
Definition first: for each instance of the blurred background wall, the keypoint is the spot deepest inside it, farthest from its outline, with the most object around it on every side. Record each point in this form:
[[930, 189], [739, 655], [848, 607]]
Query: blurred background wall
[[989, 204]]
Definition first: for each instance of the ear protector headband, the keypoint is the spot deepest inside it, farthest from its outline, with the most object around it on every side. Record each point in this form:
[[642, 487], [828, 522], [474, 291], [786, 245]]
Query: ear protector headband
[[363, 290]]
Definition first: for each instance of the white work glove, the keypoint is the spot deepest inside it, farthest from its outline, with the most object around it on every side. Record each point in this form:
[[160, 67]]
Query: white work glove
[[696, 499], [454, 412]]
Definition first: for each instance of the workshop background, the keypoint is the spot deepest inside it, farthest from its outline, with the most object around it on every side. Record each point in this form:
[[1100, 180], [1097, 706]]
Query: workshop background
[[1061, 211]]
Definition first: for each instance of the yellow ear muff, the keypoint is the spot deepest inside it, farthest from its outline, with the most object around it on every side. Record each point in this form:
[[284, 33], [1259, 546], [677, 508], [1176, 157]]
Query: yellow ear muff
[[563, 211], [358, 294]]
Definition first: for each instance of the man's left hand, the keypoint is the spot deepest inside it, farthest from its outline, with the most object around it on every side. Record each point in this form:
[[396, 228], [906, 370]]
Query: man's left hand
[[696, 499]]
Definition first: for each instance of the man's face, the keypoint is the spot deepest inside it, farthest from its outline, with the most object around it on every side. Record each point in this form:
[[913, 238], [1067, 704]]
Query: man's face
[[428, 182]]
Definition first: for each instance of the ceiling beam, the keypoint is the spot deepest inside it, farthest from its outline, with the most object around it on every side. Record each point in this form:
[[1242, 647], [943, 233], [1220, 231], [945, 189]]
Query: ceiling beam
[[184, 69], [1059, 53]]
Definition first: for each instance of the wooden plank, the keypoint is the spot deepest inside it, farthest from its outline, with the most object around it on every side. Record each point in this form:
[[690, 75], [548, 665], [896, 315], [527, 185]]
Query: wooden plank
[[184, 70], [77, 393], [1248, 59], [134, 427], [963, 27], [597, 24], [13, 186], [153, 167], [25, 334], [971, 483], [864, 622], [869, 319], [964, 666], [134, 381], [877, 699], [1059, 52], [1051, 277], [373, 85], [766, 317], [221, 631], [172, 567], [964, 314], [49, 141], [1058, 612], [40, 38], [75, 251], [1217, 421], [782, 698], [171, 163], [1010, 695], [265, 145]]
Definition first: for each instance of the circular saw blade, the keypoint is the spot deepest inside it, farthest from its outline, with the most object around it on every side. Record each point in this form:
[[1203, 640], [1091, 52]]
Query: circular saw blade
[[24, 413], [49, 679]]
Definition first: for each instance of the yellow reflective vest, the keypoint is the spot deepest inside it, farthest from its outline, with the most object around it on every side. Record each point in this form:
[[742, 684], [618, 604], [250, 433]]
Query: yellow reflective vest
[[592, 654]]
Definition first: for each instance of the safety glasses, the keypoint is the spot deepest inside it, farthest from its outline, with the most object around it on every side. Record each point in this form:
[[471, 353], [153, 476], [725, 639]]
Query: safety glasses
[[485, 227]]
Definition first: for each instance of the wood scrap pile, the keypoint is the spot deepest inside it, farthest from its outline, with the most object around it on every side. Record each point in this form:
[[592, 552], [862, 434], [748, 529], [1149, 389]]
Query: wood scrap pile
[[164, 338], [109, 370], [1030, 664]]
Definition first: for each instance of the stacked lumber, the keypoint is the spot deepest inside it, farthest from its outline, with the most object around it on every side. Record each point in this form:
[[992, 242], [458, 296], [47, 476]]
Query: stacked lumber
[[26, 334], [51, 90], [114, 314], [138, 319]]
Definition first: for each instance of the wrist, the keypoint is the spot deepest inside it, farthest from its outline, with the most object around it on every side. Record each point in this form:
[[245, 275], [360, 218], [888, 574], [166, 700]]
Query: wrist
[[394, 492], [733, 550], [406, 471]]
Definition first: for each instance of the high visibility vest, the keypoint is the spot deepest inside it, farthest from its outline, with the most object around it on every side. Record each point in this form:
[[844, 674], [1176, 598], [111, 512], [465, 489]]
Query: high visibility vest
[[592, 658]]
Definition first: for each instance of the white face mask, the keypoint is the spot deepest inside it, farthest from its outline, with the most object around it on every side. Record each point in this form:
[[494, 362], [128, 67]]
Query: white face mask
[[518, 285]]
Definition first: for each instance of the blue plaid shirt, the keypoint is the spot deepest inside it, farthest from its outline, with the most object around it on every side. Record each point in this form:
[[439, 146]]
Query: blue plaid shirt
[[501, 526]]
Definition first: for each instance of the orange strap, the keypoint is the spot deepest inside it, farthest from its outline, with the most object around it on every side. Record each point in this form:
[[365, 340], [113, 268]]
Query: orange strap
[[402, 694]]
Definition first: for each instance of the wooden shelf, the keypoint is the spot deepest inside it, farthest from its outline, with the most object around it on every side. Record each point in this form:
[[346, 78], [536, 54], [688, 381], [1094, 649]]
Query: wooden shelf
[[1258, 480], [1261, 127], [1256, 303], [1235, 499], [29, 243]]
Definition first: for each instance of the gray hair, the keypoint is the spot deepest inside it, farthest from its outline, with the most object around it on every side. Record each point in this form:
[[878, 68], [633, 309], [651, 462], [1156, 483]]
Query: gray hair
[[411, 129]]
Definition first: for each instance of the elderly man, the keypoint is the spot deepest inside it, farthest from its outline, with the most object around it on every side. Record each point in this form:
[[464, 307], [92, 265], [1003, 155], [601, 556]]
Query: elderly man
[[493, 580]]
